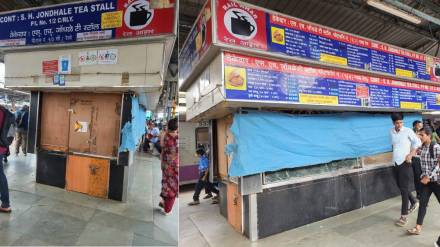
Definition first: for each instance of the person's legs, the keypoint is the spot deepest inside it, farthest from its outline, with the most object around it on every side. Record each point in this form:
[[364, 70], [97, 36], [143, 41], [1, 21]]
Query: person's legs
[[417, 170], [199, 186], [424, 199], [168, 204], [212, 188], [18, 143], [435, 188], [403, 186], [4, 189], [24, 142], [157, 146]]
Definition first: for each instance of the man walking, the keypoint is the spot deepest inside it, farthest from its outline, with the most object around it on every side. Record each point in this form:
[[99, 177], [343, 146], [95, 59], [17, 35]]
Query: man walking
[[21, 121], [405, 144], [6, 138]]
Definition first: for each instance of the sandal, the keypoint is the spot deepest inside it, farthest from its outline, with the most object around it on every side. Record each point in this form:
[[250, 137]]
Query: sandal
[[5, 210], [414, 231], [401, 222]]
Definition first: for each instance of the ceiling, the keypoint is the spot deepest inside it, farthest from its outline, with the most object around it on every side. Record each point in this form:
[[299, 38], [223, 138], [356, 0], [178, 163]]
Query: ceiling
[[352, 16]]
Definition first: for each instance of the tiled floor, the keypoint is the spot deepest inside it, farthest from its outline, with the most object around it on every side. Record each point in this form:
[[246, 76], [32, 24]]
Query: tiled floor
[[372, 226], [44, 215]]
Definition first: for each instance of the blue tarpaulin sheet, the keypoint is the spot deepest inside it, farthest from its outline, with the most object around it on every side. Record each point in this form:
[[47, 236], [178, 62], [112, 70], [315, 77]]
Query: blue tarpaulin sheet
[[266, 141], [133, 131]]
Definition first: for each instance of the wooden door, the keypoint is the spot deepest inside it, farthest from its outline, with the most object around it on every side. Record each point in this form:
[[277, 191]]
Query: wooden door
[[224, 137], [99, 172], [77, 174], [102, 114], [234, 206], [88, 175], [54, 122]]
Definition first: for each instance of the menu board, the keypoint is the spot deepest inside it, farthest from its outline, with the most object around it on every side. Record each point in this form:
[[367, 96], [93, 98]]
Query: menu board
[[257, 79], [197, 43], [90, 20], [243, 25]]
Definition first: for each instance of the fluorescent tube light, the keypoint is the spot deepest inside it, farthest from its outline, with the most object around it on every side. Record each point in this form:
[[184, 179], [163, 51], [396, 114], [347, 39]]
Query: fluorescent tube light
[[394, 11]]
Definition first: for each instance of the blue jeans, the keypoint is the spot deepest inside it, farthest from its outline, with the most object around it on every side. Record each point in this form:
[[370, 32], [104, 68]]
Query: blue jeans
[[4, 190]]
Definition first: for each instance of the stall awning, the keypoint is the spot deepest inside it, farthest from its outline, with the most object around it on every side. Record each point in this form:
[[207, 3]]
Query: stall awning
[[266, 141]]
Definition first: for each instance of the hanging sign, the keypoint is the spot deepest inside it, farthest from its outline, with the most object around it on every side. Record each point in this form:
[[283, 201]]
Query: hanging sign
[[88, 58], [109, 56], [50, 67], [65, 64]]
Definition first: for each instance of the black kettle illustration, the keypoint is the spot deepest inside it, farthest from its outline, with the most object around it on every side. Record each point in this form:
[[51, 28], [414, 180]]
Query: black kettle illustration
[[203, 33], [240, 25], [139, 17], [437, 70]]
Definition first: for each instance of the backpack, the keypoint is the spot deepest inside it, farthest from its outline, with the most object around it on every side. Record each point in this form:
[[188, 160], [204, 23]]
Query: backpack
[[7, 132], [21, 119]]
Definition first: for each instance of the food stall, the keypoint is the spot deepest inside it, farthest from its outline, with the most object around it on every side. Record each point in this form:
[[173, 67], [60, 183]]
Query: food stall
[[299, 113], [93, 69]]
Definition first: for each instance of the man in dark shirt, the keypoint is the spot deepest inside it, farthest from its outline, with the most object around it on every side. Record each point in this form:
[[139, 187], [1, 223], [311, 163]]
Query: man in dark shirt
[[4, 190]]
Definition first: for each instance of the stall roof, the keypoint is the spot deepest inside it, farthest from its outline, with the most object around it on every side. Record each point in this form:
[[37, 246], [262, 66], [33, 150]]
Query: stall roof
[[353, 16]]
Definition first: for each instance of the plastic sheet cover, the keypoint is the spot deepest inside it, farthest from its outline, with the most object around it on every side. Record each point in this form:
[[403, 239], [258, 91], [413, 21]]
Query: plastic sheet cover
[[133, 131], [266, 141]]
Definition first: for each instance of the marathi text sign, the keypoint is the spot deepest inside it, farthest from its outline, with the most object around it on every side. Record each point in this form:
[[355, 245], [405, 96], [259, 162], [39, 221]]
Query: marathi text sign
[[243, 25], [98, 20], [257, 79]]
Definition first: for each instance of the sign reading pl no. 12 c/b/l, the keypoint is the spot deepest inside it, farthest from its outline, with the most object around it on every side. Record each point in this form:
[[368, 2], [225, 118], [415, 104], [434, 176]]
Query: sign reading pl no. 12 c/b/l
[[96, 20]]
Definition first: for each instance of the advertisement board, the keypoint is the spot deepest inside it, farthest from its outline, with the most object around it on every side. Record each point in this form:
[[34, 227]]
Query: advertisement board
[[197, 43], [242, 25], [257, 79]]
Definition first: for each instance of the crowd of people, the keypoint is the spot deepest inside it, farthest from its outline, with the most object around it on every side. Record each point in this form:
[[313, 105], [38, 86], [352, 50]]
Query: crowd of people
[[416, 157]]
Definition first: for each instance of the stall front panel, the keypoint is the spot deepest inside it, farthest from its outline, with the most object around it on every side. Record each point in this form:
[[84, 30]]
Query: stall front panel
[[114, 68]]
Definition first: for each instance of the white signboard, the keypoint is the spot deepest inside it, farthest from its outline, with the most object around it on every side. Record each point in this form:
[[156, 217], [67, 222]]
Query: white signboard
[[81, 127], [65, 64], [88, 58], [109, 56]]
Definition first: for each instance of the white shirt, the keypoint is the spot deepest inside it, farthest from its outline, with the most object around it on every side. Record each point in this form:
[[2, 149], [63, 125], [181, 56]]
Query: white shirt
[[403, 141]]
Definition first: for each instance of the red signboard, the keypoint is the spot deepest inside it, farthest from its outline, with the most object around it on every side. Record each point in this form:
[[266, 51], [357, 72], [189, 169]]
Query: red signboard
[[145, 18], [433, 65], [204, 29], [362, 92], [261, 63], [50, 68], [241, 25]]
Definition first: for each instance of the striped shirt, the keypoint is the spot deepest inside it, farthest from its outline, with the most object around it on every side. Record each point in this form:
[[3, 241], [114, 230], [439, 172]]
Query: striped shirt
[[428, 163]]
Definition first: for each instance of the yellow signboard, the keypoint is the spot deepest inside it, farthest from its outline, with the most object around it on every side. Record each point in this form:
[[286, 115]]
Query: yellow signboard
[[333, 59], [410, 105], [404, 72], [318, 99], [111, 20], [277, 35], [235, 78]]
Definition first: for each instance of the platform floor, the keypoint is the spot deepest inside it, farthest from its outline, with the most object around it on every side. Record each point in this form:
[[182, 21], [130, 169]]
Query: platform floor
[[45, 215], [372, 226]]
